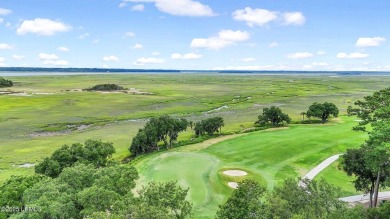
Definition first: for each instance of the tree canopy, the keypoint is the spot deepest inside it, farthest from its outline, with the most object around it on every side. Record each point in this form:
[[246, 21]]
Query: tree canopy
[[163, 128], [373, 108], [273, 116], [92, 152], [105, 87], [209, 126], [322, 111], [5, 82]]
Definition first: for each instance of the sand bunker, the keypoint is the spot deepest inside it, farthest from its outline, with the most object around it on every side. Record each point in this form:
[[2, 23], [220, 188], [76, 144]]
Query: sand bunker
[[233, 185], [235, 173]]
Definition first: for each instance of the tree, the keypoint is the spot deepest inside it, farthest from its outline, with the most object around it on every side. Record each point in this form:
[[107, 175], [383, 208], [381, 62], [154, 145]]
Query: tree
[[5, 82], [209, 126], [375, 107], [93, 152], [303, 115], [11, 191], [371, 162], [316, 199], [245, 202], [167, 196], [273, 116], [322, 111]]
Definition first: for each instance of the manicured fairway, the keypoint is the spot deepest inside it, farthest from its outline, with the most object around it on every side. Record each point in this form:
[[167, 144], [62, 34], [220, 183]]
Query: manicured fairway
[[268, 156]]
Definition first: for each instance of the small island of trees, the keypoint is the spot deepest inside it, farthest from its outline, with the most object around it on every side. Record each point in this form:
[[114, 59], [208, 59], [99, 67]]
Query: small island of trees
[[5, 82], [105, 87]]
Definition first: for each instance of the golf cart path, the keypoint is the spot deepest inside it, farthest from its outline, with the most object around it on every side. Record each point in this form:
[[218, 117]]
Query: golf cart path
[[356, 198]]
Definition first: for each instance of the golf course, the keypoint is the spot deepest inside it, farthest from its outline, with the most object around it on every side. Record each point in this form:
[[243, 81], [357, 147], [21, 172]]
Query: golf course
[[41, 113]]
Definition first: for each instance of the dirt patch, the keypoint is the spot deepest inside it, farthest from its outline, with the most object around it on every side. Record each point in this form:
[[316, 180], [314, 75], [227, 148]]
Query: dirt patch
[[276, 129], [49, 134], [235, 173], [233, 185]]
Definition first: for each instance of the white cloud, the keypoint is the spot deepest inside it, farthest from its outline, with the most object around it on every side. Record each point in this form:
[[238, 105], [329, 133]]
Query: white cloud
[[4, 11], [273, 44], [2, 64], [110, 58], [370, 42], [137, 46], [252, 67], [250, 59], [178, 7], [293, 18], [254, 17], [18, 57], [138, 7], [354, 55], [84, 35], [129, 34], [299, 55], [234, 36], [261, 17], [96, 41], [186, 56], [45, 56], [52, 59], [144, 61], [2, 59], [42, 27], [5, 46], [224, 38], [320, 53], [1, 20], [155, 53], [63, 49]]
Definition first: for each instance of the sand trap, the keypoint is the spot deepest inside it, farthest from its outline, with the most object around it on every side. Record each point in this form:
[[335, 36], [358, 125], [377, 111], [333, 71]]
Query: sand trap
[[235, 173], [233, 185]]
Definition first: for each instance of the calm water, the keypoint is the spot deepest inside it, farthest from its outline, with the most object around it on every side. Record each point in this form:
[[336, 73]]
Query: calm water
[[333, 74]]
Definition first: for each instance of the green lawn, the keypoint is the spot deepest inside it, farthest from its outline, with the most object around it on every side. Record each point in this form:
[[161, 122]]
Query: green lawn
[[268, 156]]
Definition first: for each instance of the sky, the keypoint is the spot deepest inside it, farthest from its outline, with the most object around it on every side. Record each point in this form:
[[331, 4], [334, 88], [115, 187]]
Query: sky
[[312, 35]]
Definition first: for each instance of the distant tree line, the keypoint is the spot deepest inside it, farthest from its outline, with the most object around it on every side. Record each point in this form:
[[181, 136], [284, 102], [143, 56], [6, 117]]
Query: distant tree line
[[5, 82], [105, 87]]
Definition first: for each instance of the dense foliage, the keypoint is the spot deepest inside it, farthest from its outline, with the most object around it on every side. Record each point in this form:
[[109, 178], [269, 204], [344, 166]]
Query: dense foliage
[[373, 108], [294, 199], [322, 111], [106, 87], [92, 152], [273, 116], [83, 191], [370, 163], [5, 82], [163, 128], [209, 126]]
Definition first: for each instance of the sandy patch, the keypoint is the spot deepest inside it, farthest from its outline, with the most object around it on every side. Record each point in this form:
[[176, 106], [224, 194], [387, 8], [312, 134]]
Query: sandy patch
[[43, 93], [27, 165], [235, 173], [20, 94], [233, 185]]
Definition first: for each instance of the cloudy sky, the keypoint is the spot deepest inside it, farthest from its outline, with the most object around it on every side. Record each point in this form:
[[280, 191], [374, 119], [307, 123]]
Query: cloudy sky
[[197, 34]]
